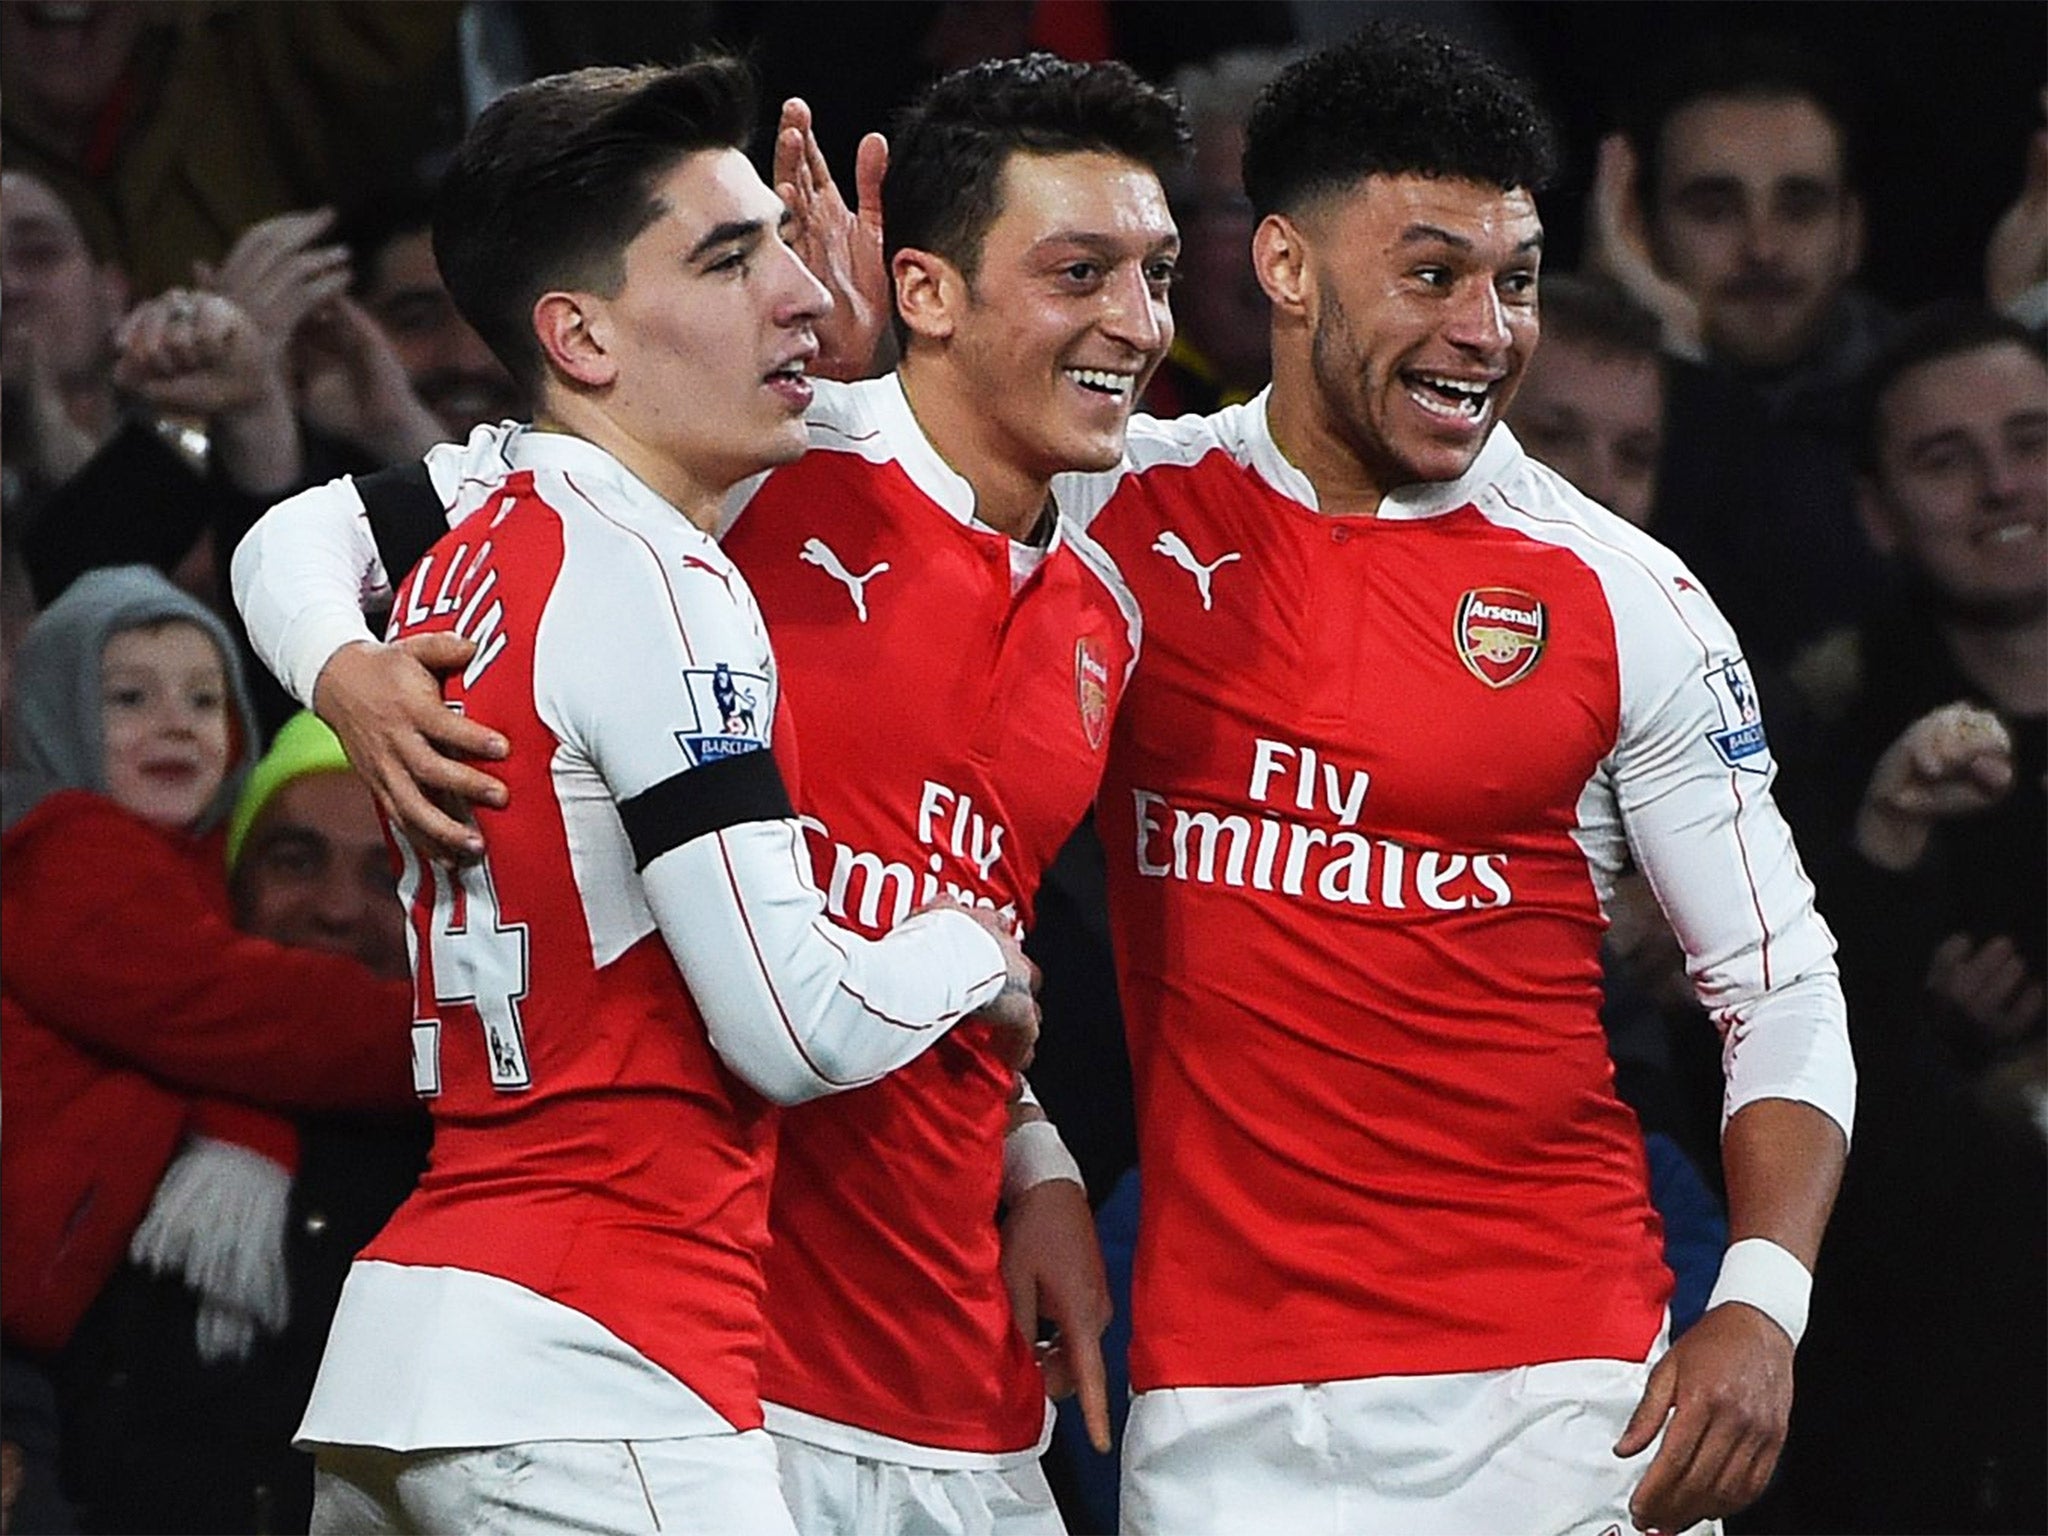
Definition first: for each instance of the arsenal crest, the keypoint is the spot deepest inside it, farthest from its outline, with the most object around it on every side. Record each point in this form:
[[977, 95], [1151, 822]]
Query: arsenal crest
[[1091, 689], [1500, 634]]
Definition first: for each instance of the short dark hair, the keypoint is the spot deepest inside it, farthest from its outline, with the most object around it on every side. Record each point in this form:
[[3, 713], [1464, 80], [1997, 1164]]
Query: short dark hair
[[949, 147], [1392, 100], [555, 179], [1597, 312], [1946, 328], [1740, 67]]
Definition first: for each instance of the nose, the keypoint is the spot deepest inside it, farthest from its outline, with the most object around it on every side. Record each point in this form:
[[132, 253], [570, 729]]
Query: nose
[[1762, 239], [339, 903], [1478, 320], [2008, 478], [1134, 314], [804, 298]]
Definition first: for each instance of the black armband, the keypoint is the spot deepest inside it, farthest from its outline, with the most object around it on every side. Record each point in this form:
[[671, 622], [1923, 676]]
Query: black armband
[[723, 793]]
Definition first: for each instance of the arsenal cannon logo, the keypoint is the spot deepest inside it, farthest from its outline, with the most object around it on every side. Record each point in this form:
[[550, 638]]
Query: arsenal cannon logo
[[1500, 634]]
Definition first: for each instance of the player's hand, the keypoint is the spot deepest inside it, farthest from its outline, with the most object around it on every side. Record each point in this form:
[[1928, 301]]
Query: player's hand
[[1013, 1012], [842, 247], [1618, 245], [1726, 1388], [1952, 761], [1052, 1265], [385, 705]]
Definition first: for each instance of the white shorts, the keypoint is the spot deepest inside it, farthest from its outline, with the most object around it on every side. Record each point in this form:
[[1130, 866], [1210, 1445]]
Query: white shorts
[[710, 1485], [835, 1493], [1528, 1450]]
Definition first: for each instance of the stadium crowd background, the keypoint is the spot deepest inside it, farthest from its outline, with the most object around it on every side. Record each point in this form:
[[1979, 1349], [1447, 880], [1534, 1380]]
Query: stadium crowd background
[[170, 159]]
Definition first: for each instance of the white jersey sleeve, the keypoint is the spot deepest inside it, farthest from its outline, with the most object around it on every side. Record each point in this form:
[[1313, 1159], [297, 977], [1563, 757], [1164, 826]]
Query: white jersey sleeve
[[653, 667], [1690, 778], [302, 578]]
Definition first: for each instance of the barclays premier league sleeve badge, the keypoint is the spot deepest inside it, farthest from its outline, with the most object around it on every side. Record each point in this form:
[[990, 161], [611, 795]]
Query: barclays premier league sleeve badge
[[1740, 741], [735, 712]]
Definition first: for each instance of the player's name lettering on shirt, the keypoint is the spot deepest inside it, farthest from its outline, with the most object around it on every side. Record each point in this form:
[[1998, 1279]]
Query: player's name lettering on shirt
[[1294, 859], [463, 586], [875, 892]]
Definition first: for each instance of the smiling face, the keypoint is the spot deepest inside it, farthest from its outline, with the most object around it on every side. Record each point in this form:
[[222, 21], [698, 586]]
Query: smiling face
[[315, 872], [704, 344], [1751, 216], [1031, 367], [1961, 489], [164, 721], [1406, 312]]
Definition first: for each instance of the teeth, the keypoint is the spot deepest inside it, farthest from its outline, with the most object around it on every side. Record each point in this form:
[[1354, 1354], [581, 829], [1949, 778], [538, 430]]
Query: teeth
[[794, 369], [1465, 400], [2012, 533], [1118, 384]]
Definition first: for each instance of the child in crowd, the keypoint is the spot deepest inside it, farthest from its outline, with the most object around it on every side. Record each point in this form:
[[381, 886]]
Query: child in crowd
[[151, 1051]]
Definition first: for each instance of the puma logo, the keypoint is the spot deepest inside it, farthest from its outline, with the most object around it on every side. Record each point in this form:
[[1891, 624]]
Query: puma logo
[[1175, 548], [817, 552]]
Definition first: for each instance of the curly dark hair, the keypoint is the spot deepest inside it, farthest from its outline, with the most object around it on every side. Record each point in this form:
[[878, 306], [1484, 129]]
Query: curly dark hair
[[555, 179], [1391, 100], [949, 147]]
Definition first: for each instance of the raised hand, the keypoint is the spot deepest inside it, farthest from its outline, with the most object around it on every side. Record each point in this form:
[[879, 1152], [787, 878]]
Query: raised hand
[[1618, 244], [353, 385], [841, 246], [280, 271]]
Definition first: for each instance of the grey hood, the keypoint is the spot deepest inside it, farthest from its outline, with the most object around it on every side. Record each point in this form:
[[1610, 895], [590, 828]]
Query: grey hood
[[57, 736]]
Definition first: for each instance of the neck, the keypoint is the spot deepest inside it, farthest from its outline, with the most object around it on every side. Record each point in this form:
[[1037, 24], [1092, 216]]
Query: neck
[[2009, 662], [1007, 496], [1304, 430], [689, 493]]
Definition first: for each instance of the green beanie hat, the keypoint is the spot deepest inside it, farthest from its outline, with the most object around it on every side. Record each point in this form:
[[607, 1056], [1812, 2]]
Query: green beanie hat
[[303, 745]]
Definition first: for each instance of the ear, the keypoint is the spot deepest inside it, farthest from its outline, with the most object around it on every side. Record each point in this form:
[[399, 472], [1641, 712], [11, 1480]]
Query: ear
[[930, 293], [1852, 233], [1280, 257], [1877, 523], [574, 332]]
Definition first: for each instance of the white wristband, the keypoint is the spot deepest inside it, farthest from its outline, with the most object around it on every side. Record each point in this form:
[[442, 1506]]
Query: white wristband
[[1759, 1273], [1033, 1154]]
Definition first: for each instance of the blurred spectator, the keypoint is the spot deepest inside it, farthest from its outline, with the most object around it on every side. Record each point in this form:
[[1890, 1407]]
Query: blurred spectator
[[1730, 209], [453, 373], [56, 335], [1591, 404], [1222, 320], [1923, 1371], [146, 1195], [172, 127]]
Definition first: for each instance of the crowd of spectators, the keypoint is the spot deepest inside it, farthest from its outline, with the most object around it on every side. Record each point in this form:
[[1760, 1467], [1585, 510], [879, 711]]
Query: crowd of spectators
[[219, 289]]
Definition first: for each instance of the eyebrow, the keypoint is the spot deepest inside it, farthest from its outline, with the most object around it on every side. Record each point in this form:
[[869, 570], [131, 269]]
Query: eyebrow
[[1108, 245], [1432, 234], [731, 230]]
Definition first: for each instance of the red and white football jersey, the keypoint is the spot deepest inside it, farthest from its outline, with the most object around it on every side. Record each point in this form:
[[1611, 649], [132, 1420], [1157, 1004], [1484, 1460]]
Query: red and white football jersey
[[954, 692], [1366, 793], [598, 1001]]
